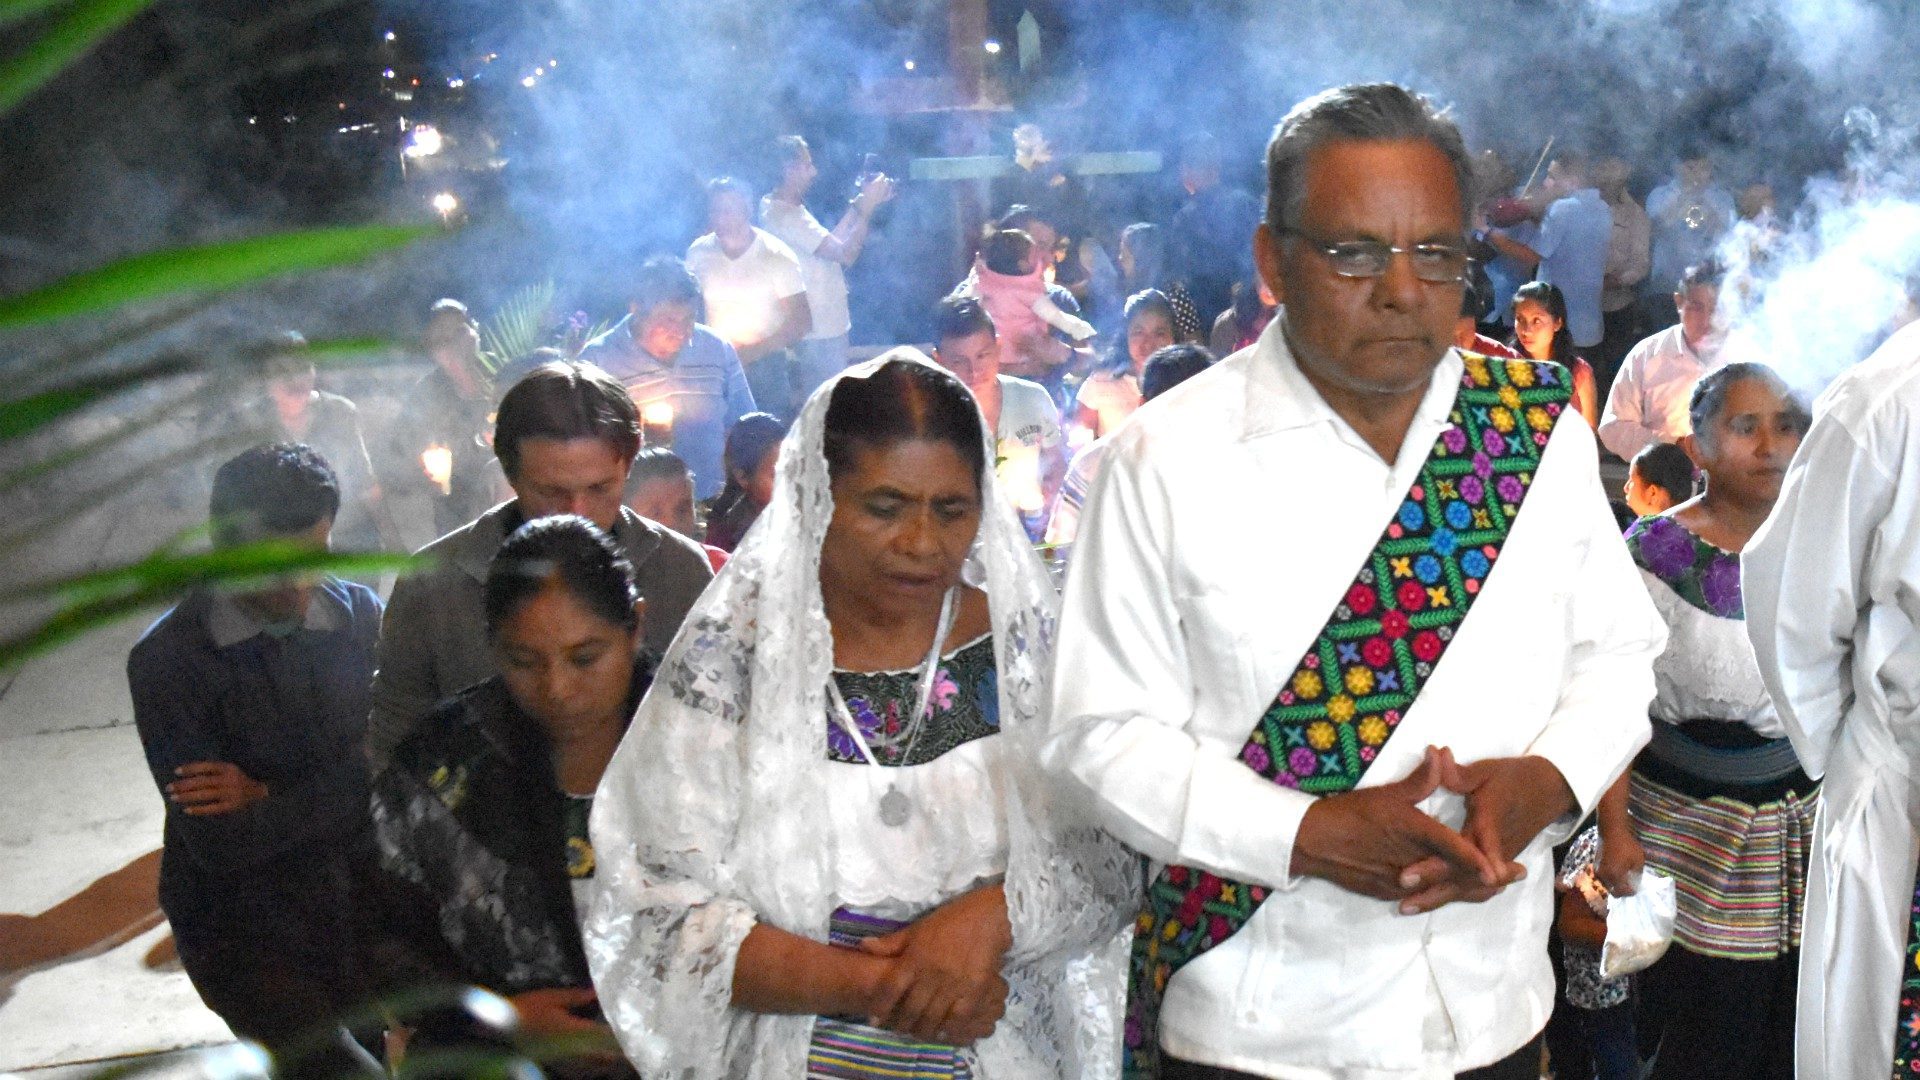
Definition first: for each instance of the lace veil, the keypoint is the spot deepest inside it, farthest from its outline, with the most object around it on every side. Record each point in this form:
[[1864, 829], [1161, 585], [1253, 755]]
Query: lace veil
[[712, 815]]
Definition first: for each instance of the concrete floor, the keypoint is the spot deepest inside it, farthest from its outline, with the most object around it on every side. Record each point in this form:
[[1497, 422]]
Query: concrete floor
[[76, 804]]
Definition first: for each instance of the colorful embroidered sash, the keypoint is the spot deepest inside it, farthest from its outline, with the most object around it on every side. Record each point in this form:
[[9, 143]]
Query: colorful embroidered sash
[[1347, 695], [1906, 1033]]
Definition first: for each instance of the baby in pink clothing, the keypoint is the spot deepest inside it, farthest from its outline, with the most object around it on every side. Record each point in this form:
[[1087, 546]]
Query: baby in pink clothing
[[1011, 284]]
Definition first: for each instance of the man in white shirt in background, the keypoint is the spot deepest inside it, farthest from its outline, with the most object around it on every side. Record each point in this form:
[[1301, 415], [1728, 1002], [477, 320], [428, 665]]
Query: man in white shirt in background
[[1030, 443], [1648, 402], [1832, 584], [755, 294], [1305, 918], [823, 257]]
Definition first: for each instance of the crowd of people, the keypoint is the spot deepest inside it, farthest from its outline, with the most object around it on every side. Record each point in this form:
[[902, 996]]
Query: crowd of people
[[737, 723]]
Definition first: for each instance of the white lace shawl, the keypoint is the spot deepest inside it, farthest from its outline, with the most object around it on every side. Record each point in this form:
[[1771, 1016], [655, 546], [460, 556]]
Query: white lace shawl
[[712, 815]]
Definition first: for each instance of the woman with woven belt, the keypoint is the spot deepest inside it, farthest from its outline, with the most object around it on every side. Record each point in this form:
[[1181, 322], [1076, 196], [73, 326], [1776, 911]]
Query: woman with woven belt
[[824, 847], [1717, 801]]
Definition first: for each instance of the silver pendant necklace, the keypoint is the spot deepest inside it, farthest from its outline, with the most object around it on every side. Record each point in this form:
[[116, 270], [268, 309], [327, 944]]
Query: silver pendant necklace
[[895, 807]]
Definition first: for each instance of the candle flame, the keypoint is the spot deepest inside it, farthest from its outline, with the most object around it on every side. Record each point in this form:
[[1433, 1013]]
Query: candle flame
[[437, 461]]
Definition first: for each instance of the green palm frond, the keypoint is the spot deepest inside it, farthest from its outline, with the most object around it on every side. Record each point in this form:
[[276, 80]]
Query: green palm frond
[[522, 324]]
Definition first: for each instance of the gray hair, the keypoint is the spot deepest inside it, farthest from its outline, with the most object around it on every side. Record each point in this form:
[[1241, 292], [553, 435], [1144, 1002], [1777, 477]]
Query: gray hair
[[1362, 112]]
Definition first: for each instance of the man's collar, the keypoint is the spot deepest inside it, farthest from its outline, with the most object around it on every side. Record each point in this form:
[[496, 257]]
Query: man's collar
[[229, 623], [1280, 398], [635, 538]]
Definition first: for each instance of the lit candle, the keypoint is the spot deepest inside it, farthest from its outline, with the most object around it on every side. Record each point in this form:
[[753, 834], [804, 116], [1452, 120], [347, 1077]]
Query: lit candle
[[438, 463], [656, 422], [1021, 474]]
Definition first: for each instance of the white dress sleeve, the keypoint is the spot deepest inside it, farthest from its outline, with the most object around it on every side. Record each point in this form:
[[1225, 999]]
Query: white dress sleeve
[[663, 930]]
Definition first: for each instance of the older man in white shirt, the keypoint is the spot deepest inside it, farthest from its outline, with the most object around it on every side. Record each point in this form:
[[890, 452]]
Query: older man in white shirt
[[1302, 922], [1648, 402], [1832, 587]]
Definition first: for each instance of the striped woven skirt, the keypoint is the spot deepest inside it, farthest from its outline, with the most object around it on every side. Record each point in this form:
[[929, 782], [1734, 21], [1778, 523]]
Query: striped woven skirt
[[1728, 815], [844, 1048]]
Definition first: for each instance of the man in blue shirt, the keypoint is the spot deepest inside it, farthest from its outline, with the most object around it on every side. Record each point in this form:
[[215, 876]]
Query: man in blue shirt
[[251, 708], [1570, 248], [686, 381]]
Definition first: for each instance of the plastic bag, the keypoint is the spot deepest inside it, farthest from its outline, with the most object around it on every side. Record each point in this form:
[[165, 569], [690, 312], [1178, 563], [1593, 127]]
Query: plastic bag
[[1639, 927]]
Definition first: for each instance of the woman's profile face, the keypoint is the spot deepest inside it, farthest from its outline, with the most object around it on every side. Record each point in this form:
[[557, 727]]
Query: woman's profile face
[[567, 667], [1534, 327], [1147, 333], [904, 517]]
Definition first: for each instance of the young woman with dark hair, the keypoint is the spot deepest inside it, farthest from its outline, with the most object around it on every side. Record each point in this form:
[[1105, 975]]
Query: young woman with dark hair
[[1112, 392], [752, 446], [1540, 333], [1145, 264], [481, 816]]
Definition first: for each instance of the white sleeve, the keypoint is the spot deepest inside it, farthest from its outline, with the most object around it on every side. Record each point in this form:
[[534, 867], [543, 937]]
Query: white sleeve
[[663, 928], [1621, 426], [1063, 525], [1806, 576], [783, 267], [1600, 722], [793, 226], [1123, 693]]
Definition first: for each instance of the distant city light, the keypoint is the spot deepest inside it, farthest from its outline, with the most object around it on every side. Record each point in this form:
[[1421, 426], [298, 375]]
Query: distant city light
[[253, 120], [539, 71], [387, 74], [992, 46], [909, 65], [455, 84], [425, 141], [529, 82], [390, 35], [446, 204], [553, 63]]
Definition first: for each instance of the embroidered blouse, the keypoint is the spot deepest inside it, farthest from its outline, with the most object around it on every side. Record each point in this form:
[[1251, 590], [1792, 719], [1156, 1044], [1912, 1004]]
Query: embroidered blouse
[[955, 835], [1707, 671]]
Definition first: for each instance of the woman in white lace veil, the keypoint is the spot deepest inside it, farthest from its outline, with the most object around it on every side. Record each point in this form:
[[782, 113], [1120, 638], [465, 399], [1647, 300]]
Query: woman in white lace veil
[[724, 810]]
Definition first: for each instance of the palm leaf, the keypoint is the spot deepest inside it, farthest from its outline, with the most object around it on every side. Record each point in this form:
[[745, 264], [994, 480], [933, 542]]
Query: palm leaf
[[22, 416], [13, 11], [95, 598], [207, 267], [74, 31], [92, 350], [518, 327]]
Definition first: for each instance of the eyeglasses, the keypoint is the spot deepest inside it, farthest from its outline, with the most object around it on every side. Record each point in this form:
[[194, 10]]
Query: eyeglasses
[[1435, 263]]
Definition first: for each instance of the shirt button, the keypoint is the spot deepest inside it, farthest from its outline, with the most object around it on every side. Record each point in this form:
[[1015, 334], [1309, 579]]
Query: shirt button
[[1252, 1017]]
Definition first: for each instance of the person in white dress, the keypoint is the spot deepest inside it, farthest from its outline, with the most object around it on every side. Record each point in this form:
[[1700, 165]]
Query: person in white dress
[[1833, 610], [824, 847]]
